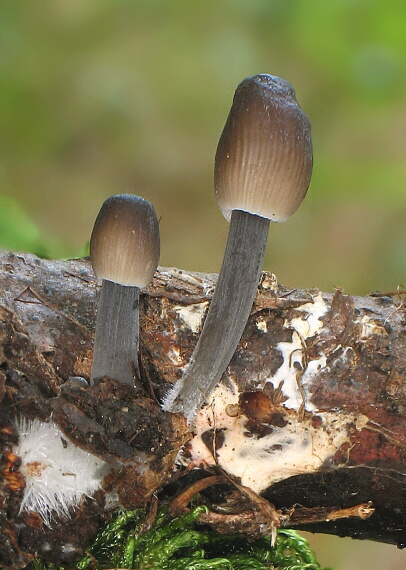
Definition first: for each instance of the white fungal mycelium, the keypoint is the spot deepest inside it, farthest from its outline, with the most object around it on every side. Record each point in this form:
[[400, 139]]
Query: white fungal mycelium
[[192, 315], [58, 474], [297, 448], [368, 328], [302, 445], [174, 356], [306, 325]]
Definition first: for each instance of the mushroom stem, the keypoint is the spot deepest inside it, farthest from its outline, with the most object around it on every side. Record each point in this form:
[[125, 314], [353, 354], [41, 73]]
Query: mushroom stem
[[263, 167], [228, 313], [124, 250], [117, 333]]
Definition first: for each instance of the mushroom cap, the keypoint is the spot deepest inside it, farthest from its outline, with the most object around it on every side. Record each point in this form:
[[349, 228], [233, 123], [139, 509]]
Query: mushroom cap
[[124, 246], [264, 158]]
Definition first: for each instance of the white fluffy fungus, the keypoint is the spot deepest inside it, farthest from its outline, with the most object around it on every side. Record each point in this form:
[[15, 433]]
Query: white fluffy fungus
[[58, 474]]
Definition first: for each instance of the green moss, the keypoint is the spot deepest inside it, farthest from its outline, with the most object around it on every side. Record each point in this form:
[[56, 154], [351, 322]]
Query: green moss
[[182, 544]]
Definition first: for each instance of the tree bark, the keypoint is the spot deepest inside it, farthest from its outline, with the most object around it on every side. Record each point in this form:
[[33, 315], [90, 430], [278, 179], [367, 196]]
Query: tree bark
[[309, 416]]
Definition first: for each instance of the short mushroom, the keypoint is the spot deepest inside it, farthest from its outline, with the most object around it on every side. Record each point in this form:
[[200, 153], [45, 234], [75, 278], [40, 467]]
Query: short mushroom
[[263, 168], [124, 251]]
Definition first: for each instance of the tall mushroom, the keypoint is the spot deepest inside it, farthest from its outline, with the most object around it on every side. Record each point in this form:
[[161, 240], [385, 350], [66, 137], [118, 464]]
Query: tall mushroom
[[124, 251], [263, 168]]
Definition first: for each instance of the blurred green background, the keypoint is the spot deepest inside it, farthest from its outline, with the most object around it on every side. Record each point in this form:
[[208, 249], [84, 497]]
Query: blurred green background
[[99, 97]]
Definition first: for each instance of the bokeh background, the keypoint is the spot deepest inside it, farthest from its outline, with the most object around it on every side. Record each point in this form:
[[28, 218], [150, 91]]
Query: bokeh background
[[99, 97]]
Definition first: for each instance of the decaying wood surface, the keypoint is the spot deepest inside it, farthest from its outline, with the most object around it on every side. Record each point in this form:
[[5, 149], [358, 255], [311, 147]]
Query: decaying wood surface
[[307, 428]]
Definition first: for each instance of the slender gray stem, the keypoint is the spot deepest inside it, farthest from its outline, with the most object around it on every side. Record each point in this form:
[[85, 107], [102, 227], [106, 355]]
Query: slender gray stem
[[117, 333], [228, 314]]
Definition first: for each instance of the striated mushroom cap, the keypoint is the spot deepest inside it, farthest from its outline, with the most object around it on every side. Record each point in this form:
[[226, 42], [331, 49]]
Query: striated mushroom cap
[[124, 246], [264, 158]]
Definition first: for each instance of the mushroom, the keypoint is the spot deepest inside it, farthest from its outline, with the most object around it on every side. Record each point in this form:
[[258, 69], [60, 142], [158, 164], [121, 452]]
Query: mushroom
[[124, 251], [263, 168]]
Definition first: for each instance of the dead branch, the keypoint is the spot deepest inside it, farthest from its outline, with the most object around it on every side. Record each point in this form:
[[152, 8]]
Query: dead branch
[[310, 414]]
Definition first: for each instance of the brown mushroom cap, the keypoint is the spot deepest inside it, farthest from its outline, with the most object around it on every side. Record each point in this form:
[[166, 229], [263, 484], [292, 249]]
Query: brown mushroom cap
[[124, 246], [264, 157]]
